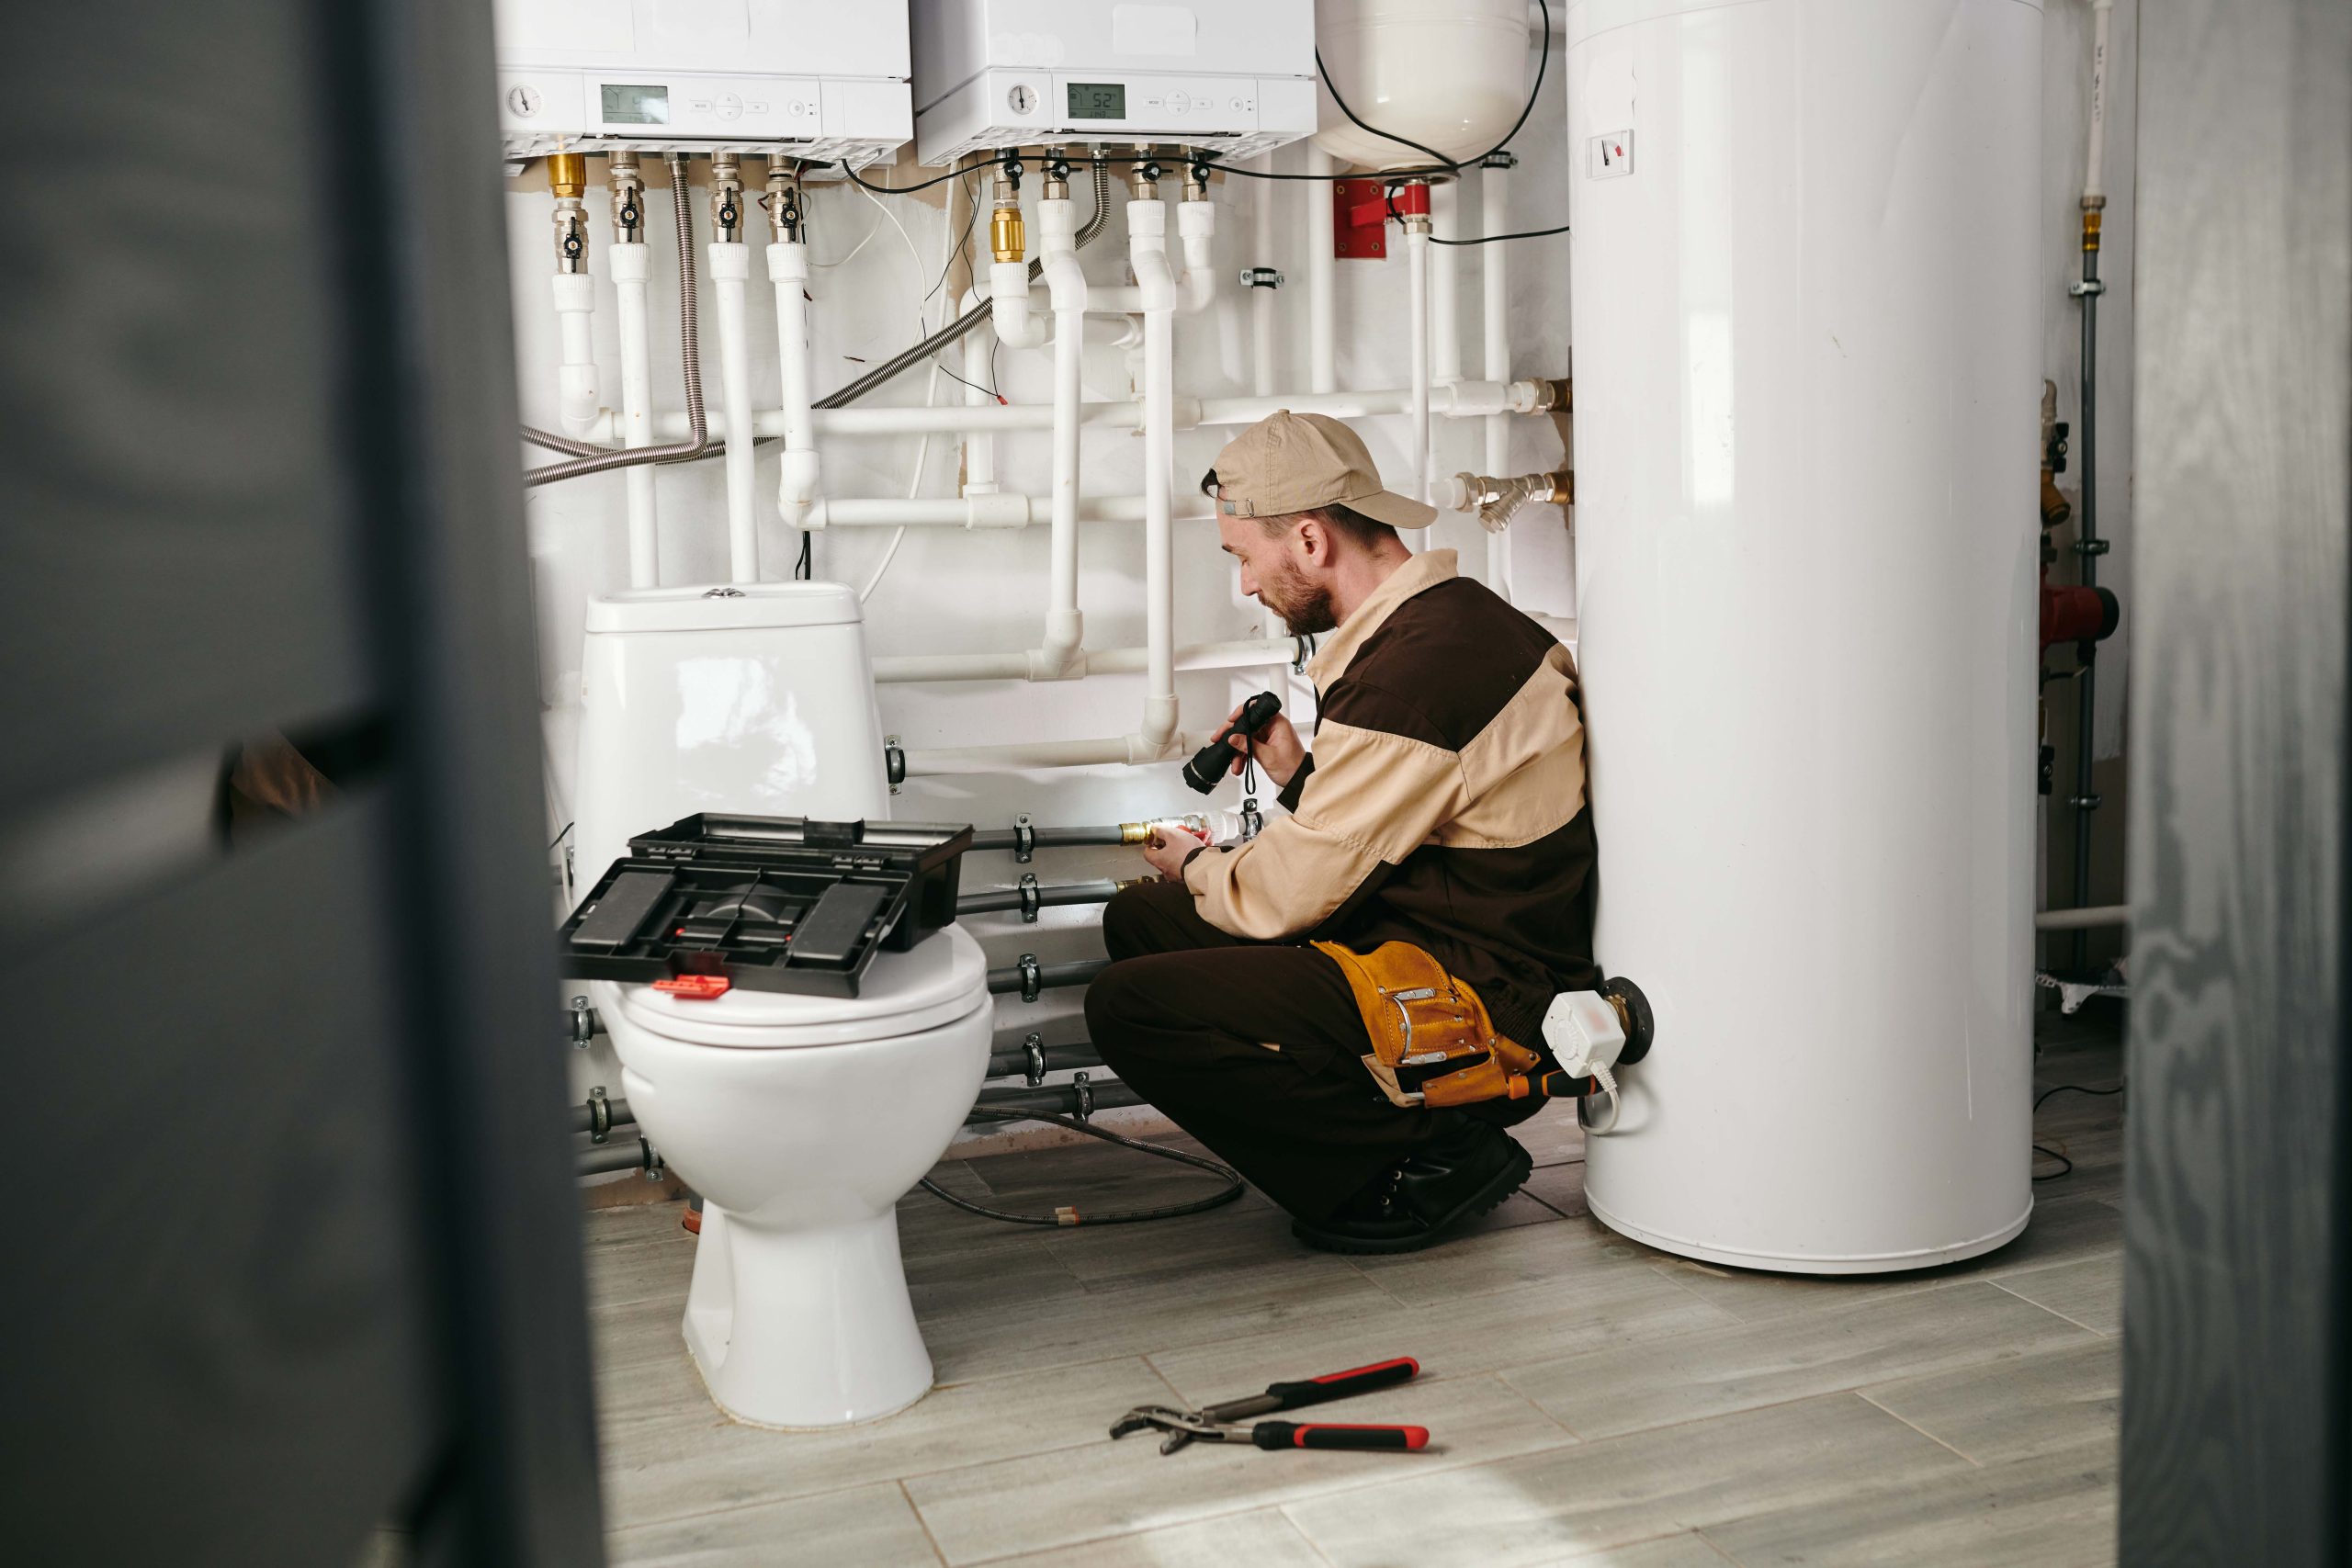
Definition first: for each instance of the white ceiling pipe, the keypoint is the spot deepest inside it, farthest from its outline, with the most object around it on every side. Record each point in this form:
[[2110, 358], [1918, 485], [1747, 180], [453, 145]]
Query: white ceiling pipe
[[730, 270], [630, 262], [1065, 282], [910, 668], [1322, 373], [1464, 399], [1147, 251], [1494, 215], [797, 475]]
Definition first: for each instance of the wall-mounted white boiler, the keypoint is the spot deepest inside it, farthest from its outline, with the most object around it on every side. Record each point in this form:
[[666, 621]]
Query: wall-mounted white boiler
[[818, 79], [1237, 76]]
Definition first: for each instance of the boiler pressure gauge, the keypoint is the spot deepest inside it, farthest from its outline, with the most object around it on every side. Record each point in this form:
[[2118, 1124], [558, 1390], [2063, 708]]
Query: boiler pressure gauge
[[1021, 99], [523, 101]]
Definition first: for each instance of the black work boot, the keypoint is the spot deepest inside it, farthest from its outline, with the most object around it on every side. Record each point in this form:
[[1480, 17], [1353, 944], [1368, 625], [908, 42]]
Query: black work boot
[[1458, 1176]]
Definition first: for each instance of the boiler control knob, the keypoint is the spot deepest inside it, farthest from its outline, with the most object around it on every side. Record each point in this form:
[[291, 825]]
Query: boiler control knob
[[1179, 102]]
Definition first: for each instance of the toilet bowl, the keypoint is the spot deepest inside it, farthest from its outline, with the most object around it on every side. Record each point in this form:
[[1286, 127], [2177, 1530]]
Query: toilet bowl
[[801, 1120]]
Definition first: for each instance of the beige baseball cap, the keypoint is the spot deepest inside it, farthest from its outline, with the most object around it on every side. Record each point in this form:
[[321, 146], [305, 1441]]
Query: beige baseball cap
[[1296, 462]]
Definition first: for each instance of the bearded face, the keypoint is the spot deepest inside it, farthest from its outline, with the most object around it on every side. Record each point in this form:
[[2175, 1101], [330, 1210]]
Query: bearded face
[[1306, 607]]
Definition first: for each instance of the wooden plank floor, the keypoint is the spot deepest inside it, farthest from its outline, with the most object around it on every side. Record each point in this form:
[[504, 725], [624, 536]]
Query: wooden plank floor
[[1592, 1401]]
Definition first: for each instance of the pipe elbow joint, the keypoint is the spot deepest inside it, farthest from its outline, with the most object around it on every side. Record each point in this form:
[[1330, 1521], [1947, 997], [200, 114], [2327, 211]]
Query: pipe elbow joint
[[1063, 657], [1016, 325], [797, 487], [577, 401]]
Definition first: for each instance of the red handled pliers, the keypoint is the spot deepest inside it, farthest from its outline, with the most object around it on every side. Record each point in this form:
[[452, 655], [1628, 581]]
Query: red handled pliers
[[1213, 1424]]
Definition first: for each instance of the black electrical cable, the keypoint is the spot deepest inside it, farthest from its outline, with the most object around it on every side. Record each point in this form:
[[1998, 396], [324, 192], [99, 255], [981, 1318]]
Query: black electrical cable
[[2061, 1160], [2074, 1088], [961, 169], [1490, 239], [1231, 1177], [1332, 87]]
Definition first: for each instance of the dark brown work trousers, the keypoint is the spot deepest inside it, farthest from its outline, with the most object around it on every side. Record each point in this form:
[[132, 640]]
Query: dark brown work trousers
[[1254, 1048]]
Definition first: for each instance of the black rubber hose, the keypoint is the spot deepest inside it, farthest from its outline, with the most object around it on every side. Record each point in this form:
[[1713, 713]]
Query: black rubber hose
[[1010, 897], [1068, 1214], [1076, 973], [1050, 838]]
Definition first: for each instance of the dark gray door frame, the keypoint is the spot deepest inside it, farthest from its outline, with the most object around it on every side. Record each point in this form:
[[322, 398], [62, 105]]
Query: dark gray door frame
[[309, 1265], [2238, 1193]]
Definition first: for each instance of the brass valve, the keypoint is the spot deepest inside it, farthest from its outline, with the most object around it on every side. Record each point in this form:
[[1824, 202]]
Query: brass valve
[[568, 174]]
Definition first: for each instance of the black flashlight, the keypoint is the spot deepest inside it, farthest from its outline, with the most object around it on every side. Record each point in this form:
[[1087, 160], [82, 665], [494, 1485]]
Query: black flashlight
[[1209, 764]]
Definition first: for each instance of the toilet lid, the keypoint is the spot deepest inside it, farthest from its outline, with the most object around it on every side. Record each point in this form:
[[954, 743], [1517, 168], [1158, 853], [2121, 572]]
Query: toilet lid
[[943, 978]]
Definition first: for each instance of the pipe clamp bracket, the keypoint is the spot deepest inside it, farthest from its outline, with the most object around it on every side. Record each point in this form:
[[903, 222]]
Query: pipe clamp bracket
[[1025, 843], [1030, 898], [1082, 1091], [1033, 1046]]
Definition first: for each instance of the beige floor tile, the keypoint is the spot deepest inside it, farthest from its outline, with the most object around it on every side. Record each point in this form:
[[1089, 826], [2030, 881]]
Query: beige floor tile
[[628, 1224], [1579, 1310], [1110, 1489], [1714, 1371], [652, 1269], [1474, 1265], [2089, 1291], [1048, 1335], [2052, 1511], [1262, 1539], [2016, 1408], [698, 1461], [978, 1280], [2062, 1230], [1546, 1507], [1689, 1550], [869, 1527], [1560, 1186], [1552, 1135]]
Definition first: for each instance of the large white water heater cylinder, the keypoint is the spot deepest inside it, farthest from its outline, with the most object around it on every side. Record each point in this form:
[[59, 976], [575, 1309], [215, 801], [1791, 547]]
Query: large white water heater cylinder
[[1452, 74], [1806, 327]]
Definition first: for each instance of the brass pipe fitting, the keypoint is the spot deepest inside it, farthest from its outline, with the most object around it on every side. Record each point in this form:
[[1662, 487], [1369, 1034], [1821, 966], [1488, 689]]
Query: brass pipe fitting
[[1008, 236], [567, 177], [568, 174]]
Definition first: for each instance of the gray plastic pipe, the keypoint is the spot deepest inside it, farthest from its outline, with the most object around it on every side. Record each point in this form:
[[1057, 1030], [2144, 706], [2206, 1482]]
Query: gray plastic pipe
[[1010, 897], [1077, 973], [1059, 1099]]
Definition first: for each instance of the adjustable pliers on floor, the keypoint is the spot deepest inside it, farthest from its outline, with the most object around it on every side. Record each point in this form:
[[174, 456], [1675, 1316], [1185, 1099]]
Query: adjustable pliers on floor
[[1214, 1422]]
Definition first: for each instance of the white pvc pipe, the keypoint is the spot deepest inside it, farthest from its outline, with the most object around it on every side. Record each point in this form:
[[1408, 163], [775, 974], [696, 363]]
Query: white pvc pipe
[[1445, 327], [1196, 286], [2094, 188], [1417, 255], [1464, 399], [630, 262], [1147, 251], [1494, 303], [906, 668], [1021, 757], [576, 395], [731, 269], [1066, 281], [1262, 300], [796, 481], [2083, 920], [1003, 509], [1322, 371]]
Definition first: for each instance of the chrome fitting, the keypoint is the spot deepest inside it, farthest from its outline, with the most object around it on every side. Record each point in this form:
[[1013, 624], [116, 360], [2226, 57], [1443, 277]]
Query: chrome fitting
[[1142, 174], [784, 200], [584, 1024], [1261, 277], [726, 199], [627, 184]]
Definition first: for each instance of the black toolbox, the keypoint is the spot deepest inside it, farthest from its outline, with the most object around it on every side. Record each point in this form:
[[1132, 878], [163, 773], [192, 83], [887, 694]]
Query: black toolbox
[[767, 903]]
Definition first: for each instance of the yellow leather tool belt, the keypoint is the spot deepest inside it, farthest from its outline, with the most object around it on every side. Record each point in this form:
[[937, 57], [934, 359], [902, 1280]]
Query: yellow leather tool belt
[[1433, 1043]]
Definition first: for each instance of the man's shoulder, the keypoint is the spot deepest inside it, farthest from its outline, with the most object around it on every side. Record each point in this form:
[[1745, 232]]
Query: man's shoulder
[[1452, 656]]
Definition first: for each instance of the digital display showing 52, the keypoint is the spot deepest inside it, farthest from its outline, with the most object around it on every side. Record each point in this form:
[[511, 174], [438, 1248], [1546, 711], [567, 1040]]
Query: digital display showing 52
[[1098, 100]]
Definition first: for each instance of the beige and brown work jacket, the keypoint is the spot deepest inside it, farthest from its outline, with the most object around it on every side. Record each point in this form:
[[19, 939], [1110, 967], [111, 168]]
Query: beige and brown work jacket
[[1443, 803]]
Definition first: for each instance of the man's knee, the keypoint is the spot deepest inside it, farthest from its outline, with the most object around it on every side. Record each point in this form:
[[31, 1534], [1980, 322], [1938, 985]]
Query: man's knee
[[1132, 925]]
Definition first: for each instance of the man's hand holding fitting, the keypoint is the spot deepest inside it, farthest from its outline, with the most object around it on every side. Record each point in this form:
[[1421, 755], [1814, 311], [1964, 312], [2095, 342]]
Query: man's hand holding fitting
[[1169, 848]]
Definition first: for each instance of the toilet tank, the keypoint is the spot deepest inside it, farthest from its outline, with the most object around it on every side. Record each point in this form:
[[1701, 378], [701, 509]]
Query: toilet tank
[[754, 698]]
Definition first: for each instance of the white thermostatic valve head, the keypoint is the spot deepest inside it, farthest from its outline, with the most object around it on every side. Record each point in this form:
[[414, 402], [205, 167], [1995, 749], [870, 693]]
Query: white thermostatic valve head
[[1584, 1033]]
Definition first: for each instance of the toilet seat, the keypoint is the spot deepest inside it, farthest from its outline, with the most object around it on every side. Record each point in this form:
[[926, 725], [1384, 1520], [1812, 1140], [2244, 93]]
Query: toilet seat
[[943, 978]]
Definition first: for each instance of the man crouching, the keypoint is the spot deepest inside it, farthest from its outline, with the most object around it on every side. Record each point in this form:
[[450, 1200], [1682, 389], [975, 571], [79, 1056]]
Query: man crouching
[[1443, 807]]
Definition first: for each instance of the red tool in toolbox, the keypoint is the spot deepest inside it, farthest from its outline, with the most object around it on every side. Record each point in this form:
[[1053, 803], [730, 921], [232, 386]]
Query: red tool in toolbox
[[1214, 1424]]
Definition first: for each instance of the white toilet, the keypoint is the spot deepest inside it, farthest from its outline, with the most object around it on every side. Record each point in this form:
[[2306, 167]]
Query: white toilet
[[801, 1120]]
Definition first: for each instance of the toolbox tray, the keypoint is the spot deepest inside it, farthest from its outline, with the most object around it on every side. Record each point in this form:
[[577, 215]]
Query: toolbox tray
[[769, 903]]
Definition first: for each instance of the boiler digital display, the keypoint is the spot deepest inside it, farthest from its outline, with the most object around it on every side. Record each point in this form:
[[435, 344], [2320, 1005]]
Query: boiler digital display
[[625, 105], [1098, 100]]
